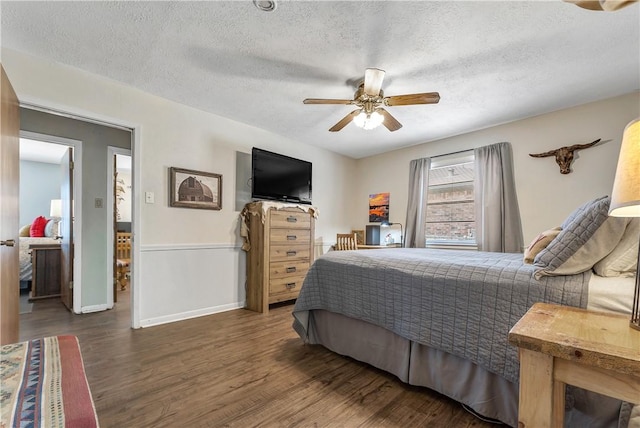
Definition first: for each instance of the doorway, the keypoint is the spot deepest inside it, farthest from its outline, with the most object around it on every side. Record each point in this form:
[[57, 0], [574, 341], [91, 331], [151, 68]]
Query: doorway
[[93, 289], [45, 161], [120, 198]]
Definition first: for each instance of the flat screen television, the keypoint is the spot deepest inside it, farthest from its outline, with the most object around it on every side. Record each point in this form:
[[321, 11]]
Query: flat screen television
[[280, 178]]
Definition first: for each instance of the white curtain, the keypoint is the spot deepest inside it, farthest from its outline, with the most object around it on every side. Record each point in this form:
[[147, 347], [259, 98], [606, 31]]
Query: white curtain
[[417, 203], [498, 226]]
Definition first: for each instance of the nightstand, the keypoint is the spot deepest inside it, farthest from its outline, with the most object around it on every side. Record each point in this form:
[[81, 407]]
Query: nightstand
[[45, 279], [562, 345]]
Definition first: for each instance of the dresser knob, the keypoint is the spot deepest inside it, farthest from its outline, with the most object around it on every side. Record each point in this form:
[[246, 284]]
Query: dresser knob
[[291, 269], [291, 253], [292, 219]]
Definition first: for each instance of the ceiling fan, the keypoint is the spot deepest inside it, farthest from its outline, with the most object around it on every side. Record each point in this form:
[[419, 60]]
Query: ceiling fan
[[369, 98]]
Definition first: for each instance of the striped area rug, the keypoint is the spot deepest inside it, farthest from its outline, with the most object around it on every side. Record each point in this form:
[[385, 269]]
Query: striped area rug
[[44, 385]]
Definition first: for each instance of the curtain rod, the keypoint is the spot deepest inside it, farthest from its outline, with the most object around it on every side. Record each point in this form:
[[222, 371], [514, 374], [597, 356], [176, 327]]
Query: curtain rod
[[452, 153]]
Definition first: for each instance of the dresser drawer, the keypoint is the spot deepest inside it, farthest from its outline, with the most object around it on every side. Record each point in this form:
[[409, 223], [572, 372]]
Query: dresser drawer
[[290, 219], [288, 269], [286, 285], [280, 253], [290, 236]]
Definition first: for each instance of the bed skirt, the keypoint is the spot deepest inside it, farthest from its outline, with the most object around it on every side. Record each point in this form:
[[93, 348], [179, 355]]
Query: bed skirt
[[44, 385], [486, 393]]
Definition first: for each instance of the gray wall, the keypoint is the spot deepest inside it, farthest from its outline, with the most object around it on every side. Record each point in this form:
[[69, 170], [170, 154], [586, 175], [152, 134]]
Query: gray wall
[[95, 139], [39, 184]]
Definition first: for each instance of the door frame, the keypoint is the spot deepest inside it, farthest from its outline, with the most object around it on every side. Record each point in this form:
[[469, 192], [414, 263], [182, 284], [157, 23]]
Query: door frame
[[77, 198], [111, 152], [136, 132]]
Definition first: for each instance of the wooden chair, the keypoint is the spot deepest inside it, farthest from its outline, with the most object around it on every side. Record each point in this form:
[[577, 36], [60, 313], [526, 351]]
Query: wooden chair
[[346, 241], [123, 258]]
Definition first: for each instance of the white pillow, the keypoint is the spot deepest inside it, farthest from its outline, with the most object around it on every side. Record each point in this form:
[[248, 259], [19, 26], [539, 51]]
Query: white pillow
[[51, 229], [623, 260]]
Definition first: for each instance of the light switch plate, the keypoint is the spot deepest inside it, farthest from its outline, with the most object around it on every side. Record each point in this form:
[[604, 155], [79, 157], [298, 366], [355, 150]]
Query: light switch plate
[[149, 197]]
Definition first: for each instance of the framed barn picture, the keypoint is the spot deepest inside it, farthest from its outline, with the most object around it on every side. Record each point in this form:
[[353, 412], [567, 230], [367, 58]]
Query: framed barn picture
[[195, 189]]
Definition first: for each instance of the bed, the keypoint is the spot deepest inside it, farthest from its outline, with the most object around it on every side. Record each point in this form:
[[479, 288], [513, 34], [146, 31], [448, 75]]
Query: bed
[[440, 318], [44, 384]]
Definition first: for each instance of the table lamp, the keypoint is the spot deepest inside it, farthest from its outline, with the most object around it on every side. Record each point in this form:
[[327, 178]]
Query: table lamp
[[56, 208], [625, 197], [387, 224]]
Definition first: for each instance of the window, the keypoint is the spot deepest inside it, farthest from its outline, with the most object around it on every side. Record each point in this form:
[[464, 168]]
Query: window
[[450, 218]]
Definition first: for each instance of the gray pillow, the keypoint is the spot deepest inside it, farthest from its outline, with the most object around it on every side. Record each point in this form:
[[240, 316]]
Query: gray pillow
[[588, 235]]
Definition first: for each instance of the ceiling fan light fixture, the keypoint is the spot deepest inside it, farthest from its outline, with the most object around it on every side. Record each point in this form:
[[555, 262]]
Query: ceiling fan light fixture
[[265, 5], [368, 121]]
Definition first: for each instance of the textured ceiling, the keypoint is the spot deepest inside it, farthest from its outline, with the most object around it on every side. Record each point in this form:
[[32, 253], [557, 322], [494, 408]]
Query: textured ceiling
[[491, 62]]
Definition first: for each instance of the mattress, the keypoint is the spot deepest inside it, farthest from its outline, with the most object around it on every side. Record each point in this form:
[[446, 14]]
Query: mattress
[[610, 294]]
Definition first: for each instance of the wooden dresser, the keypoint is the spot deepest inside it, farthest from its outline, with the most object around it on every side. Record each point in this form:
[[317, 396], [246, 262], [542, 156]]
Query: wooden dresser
[[46, 262], [279, 251]]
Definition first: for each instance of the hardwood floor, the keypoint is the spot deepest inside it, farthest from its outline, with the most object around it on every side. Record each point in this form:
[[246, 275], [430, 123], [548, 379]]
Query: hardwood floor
[[237, 368]]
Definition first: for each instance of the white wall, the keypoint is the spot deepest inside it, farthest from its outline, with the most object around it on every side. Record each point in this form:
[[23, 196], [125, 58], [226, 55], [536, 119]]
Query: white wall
[[177, 241], [39, 184], [124, 203], [545, 196]]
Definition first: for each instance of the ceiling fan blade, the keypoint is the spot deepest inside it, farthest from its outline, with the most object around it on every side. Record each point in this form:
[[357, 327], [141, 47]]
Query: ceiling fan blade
[[389, 121], [326, 101], [373, 78], [410, 99], [345, 121]]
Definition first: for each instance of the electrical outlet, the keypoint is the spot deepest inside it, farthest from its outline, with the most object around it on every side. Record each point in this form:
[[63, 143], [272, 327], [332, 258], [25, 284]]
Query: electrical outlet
[[98, 203]]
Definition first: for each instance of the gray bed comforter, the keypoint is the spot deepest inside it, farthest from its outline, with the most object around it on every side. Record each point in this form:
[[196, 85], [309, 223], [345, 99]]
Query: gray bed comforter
[[461, 302]]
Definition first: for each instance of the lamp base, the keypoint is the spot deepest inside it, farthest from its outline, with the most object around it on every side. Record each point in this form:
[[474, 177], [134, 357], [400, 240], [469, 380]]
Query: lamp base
[[635, 308]]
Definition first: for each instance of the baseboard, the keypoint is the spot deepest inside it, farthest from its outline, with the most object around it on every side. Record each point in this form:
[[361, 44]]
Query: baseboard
[[93, 308], [150, 322]]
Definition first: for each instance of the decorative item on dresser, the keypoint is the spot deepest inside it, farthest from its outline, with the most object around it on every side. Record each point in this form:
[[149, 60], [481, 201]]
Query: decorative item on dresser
[[279, 239]]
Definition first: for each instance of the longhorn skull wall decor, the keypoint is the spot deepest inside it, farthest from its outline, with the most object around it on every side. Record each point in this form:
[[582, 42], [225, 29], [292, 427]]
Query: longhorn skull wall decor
[[564, 155]]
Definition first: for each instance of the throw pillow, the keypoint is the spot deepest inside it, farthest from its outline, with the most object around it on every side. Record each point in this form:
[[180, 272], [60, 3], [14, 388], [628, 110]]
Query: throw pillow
[[51, 229], [37, 227], [588, 235], [25, 231], [539, 243], [623, 260]]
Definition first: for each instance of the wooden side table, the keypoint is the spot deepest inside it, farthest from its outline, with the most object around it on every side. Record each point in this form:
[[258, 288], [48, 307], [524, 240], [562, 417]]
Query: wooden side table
[[562, 345], [45, 277]]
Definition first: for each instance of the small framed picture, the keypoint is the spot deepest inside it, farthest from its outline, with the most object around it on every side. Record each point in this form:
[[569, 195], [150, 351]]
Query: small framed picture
[[359, 236], [195, 189]]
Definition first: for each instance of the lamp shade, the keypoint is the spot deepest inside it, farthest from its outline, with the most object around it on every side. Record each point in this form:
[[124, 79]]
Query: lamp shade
[[56, 208], [625, 197]]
